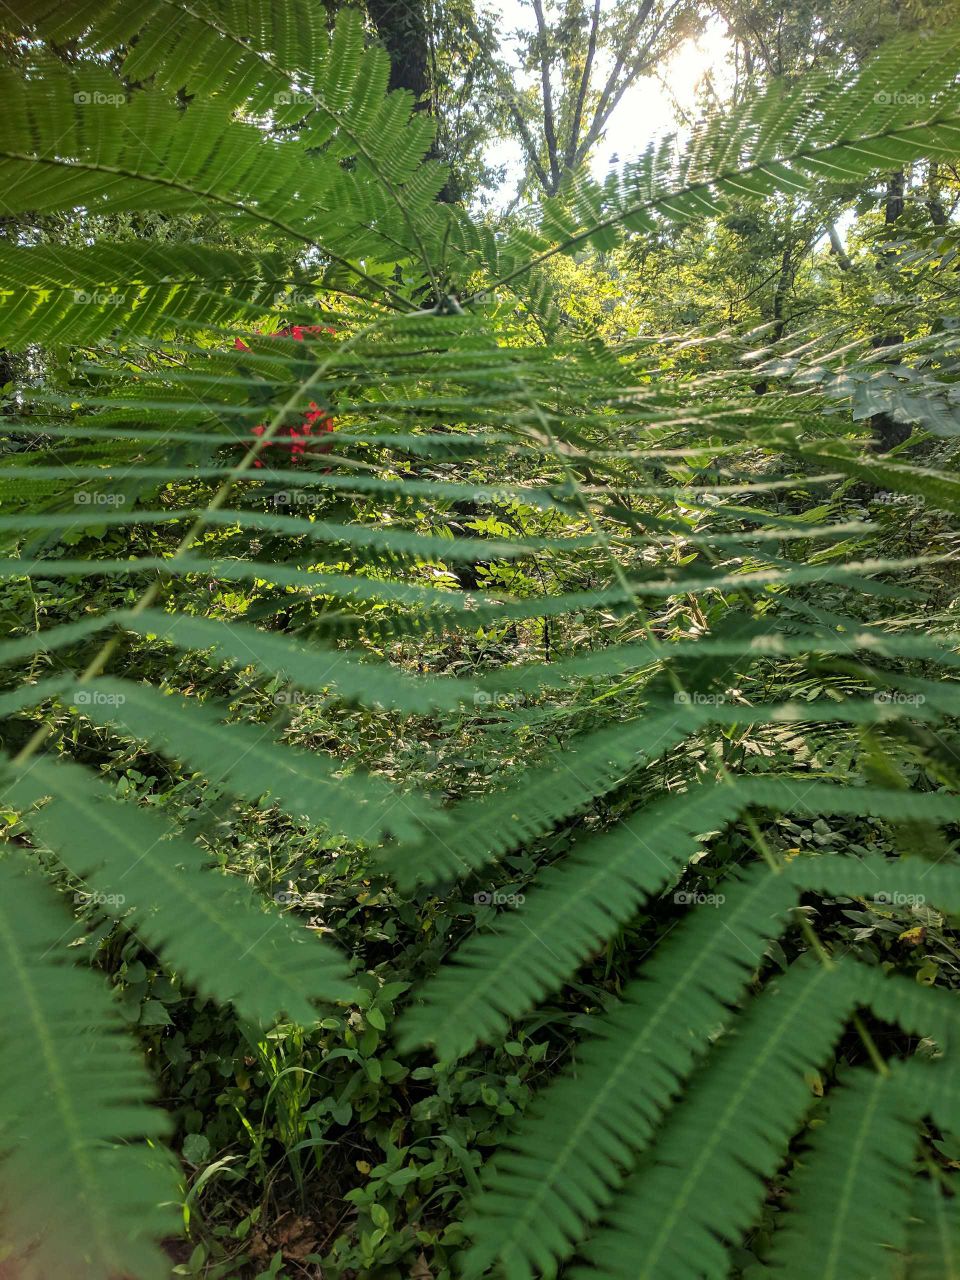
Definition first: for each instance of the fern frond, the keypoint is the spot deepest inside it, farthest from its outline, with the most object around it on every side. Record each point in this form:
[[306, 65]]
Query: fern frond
[[83, 1194], [746, 646], [883, 879], [933, 1240], [391, 544], [481, 606], [781, 140], [593, 764], [57, 149], [243, 759], [849, 1195], [577, 905], [813, 798], [491, 825], [209, 926], [705, 1178], [561, 1167], [319, 668], [54, 295], [923, 1011]]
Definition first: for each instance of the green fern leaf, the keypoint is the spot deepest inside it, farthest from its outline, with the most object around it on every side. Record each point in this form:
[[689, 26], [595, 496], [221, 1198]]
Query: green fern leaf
[[705, 1179], [933, 1243], [498, 975], [581, 1132], [848, 1198], [202, 922], [81, 1189], [241, 758]]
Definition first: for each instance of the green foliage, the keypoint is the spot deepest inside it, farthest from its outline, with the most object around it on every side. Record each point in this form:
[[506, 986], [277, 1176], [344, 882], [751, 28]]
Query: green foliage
[[210, 926], [79, 1182], [705, 628]]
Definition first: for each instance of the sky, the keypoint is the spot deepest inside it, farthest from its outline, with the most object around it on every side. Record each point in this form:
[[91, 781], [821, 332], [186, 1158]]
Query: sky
[[647, 110]]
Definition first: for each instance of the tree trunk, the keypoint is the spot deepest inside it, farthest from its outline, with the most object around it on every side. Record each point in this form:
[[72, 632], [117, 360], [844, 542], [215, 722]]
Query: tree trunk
[[403, 30], [887, 431], [934, 201]]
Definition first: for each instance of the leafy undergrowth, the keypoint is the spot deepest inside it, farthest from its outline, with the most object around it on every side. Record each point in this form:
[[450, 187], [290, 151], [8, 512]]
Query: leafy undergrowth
[[326, 1151]]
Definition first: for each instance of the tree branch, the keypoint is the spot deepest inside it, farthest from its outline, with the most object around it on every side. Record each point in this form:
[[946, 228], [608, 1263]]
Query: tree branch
[[528, 144], [506, 88], [837, 249], [571, 149], [549, 128], [934, 200], [612, 91]]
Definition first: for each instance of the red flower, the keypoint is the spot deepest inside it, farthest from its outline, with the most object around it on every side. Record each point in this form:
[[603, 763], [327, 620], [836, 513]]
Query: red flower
[[296, 439]]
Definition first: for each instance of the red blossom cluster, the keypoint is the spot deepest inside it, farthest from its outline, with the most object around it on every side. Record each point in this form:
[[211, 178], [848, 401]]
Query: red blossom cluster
[[297, 439]]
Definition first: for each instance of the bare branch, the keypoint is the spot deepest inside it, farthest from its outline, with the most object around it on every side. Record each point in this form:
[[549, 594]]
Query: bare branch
[[507, 91], [549, 128], [615, 88], [528, 143], [571, 149], [837, 248]]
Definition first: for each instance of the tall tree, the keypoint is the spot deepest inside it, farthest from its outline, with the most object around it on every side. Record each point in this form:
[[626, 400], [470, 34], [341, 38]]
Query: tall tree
[[776, 40], [404, 31], [577, 62], [443, 54]]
